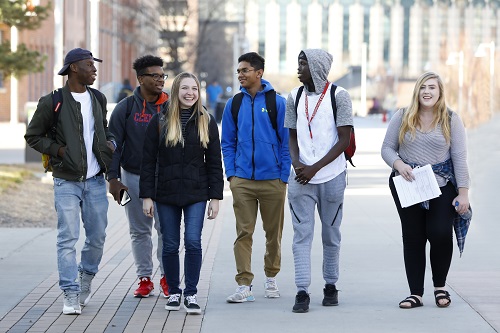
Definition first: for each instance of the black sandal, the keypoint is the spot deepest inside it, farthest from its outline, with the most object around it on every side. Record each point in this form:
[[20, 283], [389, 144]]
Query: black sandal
[[440, 295], [413, 300]]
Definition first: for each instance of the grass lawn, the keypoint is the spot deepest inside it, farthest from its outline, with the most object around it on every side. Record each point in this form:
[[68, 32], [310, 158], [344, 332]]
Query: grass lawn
[[12, 175]]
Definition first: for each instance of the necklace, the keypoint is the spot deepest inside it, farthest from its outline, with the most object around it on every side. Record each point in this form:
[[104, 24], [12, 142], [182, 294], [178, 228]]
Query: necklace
[[309, 120]]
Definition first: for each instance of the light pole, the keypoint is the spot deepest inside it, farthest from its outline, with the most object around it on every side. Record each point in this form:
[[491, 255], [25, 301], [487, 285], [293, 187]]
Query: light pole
[[363, 80], [452, 61], [94, 32], [480, 52], [14, 83], [58, 42], [14, 97]]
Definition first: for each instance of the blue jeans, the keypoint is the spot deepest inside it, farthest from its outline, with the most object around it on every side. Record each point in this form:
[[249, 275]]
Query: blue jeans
[[170, 222], [74, 199]]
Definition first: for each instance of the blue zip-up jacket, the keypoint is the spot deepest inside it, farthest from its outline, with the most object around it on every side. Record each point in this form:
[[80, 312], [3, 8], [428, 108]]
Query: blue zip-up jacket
[[252, 150]]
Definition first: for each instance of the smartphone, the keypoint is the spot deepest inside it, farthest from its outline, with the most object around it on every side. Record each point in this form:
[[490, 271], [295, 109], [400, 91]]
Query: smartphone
[[124, 197]]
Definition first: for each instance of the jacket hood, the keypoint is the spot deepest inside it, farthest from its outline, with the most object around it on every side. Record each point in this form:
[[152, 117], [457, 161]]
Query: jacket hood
[[140, 100], [320, 63]]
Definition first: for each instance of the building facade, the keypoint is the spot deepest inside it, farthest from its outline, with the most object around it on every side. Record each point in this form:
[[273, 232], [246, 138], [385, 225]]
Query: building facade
[[394, 41], [403, 37], [125, 29]]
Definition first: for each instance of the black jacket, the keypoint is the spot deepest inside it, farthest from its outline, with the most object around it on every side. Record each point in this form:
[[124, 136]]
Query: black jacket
[[186, 174], [73, 165]]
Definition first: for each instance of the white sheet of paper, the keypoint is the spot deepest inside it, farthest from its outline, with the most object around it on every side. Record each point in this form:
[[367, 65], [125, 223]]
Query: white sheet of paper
[[424, 187]]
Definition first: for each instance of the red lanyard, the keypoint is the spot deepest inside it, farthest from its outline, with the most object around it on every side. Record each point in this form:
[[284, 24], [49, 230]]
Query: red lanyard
[[315, 109]]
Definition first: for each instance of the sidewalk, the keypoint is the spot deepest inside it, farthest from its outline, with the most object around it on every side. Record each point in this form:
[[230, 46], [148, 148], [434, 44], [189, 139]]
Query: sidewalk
[[372, 280]]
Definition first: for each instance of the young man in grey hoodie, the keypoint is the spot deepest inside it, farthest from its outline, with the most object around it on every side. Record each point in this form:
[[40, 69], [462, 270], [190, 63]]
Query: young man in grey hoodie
[[316, 144]]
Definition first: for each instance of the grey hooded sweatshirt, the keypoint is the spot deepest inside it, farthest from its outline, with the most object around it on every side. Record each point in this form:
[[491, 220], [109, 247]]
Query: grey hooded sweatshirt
[[320, 63]]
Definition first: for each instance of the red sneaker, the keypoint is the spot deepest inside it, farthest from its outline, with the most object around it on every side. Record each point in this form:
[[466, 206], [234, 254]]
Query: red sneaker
[[145, 289], [164, 286]]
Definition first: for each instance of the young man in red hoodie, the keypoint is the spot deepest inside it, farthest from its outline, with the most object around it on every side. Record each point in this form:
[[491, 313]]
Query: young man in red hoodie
[[128, 122]]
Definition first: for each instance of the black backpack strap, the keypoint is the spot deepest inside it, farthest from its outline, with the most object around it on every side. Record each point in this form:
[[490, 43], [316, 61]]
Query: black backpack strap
[[57, 101], [333, 88], [297, 98], [272, 111], [271, 108], [99, 96], [235, 107], [130, 104], [332, 97]]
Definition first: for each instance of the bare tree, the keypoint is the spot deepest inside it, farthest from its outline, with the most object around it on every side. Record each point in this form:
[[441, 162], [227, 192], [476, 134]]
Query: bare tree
[[210, 50], [133, 22]]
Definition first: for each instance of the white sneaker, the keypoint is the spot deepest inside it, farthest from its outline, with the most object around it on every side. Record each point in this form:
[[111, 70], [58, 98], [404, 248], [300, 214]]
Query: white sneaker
[[271, 288], [71, 303], [85, 287], [242, 294]]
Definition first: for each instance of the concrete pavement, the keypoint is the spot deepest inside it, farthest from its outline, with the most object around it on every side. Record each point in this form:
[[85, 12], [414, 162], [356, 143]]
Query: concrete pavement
[[372, 279]]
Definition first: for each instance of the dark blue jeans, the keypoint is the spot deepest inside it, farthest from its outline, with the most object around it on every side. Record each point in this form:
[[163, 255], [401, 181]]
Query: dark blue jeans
[[170, 222]]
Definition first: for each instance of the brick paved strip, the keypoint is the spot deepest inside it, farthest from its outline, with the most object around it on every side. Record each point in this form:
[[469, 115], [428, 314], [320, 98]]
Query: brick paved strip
[[113, 307]]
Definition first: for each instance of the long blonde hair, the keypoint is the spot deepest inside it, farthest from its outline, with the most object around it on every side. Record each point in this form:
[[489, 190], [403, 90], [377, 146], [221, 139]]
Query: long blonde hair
[[173, 119], [411, 119]]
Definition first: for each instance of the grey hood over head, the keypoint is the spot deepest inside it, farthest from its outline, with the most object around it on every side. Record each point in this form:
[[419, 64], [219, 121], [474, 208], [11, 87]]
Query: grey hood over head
[[320, 63]]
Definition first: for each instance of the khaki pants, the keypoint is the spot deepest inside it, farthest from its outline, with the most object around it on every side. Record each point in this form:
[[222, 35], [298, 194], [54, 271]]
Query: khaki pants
[[247, 196]]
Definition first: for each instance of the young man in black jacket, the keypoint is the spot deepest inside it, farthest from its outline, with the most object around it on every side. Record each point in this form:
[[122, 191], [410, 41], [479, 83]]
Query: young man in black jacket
[[80, 154], [128, 123]]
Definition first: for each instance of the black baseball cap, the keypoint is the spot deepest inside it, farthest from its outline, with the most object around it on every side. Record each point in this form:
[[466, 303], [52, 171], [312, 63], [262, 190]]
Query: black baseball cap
[[74, 56]]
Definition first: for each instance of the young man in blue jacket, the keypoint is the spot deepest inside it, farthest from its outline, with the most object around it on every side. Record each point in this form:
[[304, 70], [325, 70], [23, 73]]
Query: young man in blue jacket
[[257, 164]]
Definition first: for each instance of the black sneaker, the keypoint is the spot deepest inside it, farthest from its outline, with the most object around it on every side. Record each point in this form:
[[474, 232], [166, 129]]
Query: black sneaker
[[302, 301], [191, 304], [173, 303], [331, 295]]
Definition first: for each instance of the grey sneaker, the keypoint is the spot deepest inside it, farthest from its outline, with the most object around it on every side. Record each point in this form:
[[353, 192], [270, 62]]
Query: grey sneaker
[[242, 294], [271, 288], [85, 287], [191, 304], [71, 303]]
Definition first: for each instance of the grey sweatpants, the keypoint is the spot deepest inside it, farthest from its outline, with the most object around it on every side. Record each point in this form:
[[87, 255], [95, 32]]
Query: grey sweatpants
[[141, 228], [303, 199]]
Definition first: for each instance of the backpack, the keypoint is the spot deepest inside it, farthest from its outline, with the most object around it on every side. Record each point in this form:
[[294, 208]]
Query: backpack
[[124, 93], [57, 101], [351, 149], [270, 106]]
